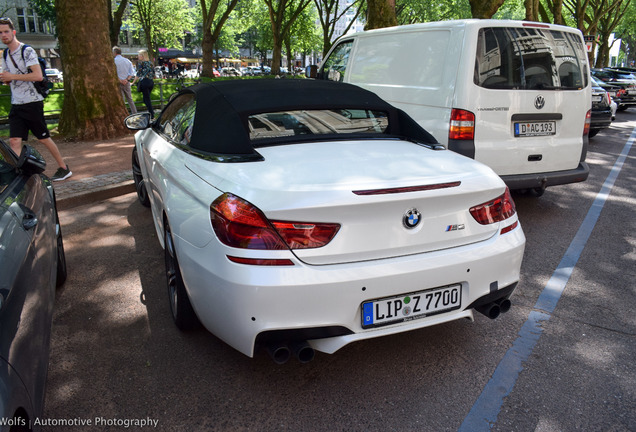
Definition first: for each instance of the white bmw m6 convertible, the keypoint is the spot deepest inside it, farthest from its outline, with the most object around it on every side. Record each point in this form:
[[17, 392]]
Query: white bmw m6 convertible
[[300, 216]]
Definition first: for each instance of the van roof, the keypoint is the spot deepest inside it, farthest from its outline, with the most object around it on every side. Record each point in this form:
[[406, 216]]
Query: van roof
[[467, 23]]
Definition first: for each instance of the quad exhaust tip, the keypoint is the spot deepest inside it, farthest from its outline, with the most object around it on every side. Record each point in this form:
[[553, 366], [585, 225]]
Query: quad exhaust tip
[[493, 309], [281, 352]]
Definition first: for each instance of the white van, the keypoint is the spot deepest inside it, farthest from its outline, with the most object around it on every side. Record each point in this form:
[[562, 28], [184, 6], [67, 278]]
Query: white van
[[514, 95]]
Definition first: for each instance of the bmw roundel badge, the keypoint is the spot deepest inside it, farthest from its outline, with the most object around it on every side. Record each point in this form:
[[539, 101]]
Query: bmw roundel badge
[[412, 218]]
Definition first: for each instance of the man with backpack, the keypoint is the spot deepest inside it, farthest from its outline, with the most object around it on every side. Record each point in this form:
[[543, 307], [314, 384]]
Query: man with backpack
[[21, 69]]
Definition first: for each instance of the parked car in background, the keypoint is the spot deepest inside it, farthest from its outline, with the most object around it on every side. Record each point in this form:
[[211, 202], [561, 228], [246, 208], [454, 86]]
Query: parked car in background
[[319, 215], [54, 75], [255, 70], [230, 71], [32, 264], [625, 69], [615, 93], [623, 79], [601, 110], [191, 73]]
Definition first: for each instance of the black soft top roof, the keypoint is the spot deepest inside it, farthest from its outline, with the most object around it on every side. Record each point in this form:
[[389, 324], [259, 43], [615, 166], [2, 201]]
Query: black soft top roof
[[222, 110]]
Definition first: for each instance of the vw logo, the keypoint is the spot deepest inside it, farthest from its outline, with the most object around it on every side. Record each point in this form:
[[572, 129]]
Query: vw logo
[[539, 102], [412, 218]]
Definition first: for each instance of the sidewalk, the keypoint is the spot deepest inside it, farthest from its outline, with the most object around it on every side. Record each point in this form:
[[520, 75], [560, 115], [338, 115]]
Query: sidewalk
[[101, 170]]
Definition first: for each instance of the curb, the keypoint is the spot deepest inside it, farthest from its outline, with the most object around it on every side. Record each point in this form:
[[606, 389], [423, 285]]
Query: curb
[[74, 193], [98, 194]]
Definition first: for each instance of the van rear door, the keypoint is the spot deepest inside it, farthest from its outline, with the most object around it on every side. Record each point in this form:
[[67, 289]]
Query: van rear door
[[530, 96]]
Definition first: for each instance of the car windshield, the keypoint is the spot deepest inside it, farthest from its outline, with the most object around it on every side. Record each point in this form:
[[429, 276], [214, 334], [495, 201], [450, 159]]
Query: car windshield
[[316, 122]]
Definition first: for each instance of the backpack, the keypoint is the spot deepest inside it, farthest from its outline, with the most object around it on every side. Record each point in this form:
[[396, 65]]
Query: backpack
[[42, 87]]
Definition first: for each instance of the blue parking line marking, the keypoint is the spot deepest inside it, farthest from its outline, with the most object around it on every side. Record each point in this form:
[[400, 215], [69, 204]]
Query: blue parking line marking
[[483, 414]]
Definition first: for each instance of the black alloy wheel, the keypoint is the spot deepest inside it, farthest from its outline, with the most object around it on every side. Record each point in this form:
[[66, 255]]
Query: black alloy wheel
[[140, 183], [61, 256], [182, 312]]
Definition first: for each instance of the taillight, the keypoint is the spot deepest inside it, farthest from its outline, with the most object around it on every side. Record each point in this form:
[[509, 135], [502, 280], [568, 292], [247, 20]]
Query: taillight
[[261, 262], [300, 235], [588, 120], [239, 224], [462, 125], [497, 210]]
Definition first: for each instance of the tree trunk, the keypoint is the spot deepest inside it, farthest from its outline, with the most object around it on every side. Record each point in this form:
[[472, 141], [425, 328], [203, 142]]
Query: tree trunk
[[207, 45], [290, 57], [381, 13], [484, 9], [602, 59], [115, 21], [276, 54], [210, 36], [557, 12], [532, 10], [93, 108]]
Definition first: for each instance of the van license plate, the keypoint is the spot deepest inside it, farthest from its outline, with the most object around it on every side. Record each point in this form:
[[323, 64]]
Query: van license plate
[[535, 129], [412, 306]]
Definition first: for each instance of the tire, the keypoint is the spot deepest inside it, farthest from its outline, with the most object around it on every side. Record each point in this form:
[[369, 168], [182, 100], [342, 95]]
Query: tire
[[140, 183], [183, 314], [61, 256], [594, 132]]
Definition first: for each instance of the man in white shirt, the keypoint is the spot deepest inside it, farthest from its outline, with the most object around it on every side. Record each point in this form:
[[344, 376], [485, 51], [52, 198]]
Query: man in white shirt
[[20, 69], [125, 72]]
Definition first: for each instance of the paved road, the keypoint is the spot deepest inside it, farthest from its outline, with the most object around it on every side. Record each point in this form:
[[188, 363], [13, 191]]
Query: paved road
[[117, 360]]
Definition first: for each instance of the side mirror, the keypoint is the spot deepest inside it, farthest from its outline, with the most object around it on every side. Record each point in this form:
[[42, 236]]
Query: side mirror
[[311, 71], [30, 161], [139, 121]]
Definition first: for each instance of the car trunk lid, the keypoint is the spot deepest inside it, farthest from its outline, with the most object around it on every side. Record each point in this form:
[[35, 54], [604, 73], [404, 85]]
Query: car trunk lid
[[370, 188]]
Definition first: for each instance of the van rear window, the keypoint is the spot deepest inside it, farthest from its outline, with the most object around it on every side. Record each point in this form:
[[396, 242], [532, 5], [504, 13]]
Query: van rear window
[[530, 59]]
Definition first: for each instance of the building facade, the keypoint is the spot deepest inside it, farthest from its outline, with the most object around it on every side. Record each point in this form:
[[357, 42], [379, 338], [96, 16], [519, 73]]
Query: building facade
[[34, 31]]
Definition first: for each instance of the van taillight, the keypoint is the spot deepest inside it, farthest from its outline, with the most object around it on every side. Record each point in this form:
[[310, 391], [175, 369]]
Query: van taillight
[[588, 120], [462, 125]]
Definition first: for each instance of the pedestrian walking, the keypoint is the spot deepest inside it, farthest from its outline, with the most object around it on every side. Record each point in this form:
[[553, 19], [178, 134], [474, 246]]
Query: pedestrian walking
[[125, 72], [20, 71], [145, 74]]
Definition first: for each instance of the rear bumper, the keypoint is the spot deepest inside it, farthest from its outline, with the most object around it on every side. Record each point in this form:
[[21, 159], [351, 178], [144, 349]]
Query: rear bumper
[[247, 306], [601, 118], [543, 180]]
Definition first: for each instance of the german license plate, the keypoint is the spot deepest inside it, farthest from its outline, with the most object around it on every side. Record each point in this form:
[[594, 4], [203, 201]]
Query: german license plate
[[535, 129], [411, 306]]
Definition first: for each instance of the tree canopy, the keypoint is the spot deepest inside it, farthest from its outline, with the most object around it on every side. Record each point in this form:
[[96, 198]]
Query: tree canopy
[[298, 26]]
